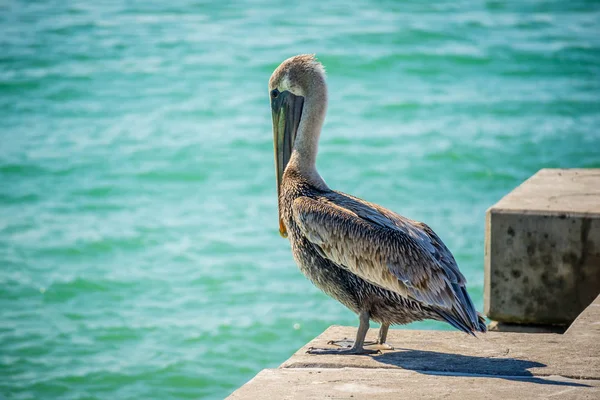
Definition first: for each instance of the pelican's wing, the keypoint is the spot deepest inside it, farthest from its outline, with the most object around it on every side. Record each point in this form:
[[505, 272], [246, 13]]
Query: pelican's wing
[[419, 231], [385, 249]]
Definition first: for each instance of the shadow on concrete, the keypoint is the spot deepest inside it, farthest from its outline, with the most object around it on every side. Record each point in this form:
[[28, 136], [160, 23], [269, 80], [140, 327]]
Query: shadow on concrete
[[434, 363]]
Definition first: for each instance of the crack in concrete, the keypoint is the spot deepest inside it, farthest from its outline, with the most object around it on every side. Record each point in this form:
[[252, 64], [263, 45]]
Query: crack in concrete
[[580, 282]]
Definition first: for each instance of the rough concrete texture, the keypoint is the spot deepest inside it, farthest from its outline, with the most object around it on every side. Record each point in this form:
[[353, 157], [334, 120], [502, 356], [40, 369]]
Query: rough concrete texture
[[493, 353], [433, 364], [542, 253], [587, 324], [351, 383]]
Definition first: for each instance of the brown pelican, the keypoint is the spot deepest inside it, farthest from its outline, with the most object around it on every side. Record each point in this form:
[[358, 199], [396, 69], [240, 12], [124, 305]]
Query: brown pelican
[[384, 267]]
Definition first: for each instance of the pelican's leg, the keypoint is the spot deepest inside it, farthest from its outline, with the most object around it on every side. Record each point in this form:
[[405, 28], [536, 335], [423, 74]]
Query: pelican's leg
[[357, 348], [379, 344], [382, 336]]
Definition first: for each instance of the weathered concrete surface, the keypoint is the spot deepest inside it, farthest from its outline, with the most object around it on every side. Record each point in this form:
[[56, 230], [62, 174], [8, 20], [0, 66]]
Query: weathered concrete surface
[[493, 353], [433, 364], [542, 253], [351, 383]]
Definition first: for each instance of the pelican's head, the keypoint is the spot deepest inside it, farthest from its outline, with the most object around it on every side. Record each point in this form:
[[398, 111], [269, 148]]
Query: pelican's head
[[290, 84]]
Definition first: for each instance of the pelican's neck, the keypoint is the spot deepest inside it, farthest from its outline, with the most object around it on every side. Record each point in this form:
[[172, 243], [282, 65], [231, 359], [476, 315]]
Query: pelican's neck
[[306, 145]]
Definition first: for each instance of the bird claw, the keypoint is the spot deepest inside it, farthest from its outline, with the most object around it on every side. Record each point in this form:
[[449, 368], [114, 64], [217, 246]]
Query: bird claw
[[380, 346]]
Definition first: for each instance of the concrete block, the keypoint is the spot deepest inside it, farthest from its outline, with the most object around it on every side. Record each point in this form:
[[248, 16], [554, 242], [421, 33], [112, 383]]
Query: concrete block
[[542, 251]]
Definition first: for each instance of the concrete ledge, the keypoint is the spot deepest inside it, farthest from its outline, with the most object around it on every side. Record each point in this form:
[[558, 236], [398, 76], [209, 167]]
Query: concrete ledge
[[493, 353], [435, 364], [346, 383]]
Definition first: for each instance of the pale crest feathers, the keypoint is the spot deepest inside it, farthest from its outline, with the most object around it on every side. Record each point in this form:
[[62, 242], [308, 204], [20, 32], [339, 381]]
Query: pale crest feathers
[[296, 73]]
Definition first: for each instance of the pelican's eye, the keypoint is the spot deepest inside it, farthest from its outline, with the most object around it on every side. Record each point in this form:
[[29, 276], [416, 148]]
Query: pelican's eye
[[274, 93]]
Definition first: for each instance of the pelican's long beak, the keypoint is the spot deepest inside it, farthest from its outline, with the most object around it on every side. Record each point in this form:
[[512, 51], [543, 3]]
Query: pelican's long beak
[[287, 110]]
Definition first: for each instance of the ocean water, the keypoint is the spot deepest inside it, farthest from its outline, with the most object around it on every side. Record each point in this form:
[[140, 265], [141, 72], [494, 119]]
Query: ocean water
[[139, 251]]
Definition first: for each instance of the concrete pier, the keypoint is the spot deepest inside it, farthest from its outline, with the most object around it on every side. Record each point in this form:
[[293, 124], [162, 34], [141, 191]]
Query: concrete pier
[[542, 252], [436, 364]]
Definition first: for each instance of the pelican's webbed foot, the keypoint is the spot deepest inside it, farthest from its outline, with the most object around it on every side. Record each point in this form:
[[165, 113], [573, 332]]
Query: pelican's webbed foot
[[382, 346], [348, 343], [357, 346], [350, 351]]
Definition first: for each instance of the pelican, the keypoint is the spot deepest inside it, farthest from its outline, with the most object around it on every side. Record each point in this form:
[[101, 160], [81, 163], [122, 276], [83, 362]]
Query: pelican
[[381, 265]]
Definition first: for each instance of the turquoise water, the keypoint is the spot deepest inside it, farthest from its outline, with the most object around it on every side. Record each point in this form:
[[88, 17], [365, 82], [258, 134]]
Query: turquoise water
[[139, 249]]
